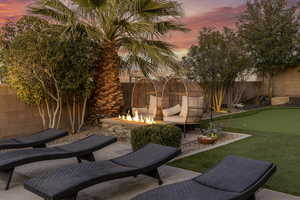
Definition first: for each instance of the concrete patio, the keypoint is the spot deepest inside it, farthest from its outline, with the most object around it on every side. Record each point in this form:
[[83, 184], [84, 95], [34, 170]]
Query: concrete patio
[[121, 189]]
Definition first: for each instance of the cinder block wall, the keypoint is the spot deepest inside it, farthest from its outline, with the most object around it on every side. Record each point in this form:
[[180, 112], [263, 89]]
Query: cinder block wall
[[287, 83], [16, 118]]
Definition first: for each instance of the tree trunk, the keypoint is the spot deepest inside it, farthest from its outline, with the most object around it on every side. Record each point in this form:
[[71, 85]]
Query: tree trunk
[[218, 98], [270, 91], [107, 99]]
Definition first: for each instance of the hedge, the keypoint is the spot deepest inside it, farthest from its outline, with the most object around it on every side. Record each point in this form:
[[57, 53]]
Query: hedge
[[167, 135]]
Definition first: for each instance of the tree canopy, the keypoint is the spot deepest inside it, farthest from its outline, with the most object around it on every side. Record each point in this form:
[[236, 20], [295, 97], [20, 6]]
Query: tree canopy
[[270, 29], [47, 69], [217, 61]]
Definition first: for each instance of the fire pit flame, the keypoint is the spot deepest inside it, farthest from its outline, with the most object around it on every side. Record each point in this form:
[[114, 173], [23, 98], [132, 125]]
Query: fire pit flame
[[137, 118]]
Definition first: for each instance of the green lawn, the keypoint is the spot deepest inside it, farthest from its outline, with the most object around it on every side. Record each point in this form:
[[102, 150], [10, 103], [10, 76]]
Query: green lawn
[[276, 138]]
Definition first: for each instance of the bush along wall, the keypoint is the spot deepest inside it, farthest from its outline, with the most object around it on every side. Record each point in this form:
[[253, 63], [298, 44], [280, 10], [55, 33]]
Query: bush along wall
[[167, 135]]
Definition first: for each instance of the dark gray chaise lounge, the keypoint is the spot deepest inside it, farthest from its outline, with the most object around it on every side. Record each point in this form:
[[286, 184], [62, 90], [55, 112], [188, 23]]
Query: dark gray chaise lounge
[[82, 149], [36, 140], [66, 182], [234, 178]]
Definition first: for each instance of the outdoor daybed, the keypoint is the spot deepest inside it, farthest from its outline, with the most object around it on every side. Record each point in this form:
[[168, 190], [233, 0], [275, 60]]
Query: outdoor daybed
[[66, 182], [36, 140], [82, 149], [182, 101], [234, 178]]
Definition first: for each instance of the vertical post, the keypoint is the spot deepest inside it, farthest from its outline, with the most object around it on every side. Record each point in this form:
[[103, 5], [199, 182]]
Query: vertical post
[[252, 197], [155, 174], [10, 175]]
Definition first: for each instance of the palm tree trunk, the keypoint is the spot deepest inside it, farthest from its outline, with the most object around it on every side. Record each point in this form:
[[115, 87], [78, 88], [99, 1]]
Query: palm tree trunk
[[107, 99]]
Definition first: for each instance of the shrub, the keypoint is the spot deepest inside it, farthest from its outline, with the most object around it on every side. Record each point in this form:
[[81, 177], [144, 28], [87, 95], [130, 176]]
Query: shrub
[[167, 135]]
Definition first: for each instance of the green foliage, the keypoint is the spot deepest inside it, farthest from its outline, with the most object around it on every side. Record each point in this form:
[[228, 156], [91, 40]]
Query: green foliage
[[167, 135], [133, 28], [48, 68], [270, 28], [38, 57], [218, 58]]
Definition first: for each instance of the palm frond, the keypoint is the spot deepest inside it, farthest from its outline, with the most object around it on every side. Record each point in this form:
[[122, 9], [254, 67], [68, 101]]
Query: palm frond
[[90, 4], [53, 10], [157, 8], [164, 27], [157, 54]]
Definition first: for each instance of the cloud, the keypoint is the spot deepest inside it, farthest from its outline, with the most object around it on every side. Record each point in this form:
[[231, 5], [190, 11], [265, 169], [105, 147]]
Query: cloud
[[12, 9], [217, 18]]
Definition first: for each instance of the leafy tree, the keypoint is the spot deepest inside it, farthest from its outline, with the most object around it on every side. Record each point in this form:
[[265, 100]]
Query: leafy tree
[[127, 29], [48, 70], [270, 28], [217, 61]]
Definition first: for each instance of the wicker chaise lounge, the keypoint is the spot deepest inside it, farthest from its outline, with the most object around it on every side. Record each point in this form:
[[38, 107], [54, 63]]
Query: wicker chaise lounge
[[36, 140], [234, 178], [66, 182], [82, 150]]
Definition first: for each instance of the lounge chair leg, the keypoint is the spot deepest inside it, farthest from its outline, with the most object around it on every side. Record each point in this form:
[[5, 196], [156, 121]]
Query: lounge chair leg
[[10, 175], [155, 174], [88, 157], [252, 197], [40, 146], [73, 197]]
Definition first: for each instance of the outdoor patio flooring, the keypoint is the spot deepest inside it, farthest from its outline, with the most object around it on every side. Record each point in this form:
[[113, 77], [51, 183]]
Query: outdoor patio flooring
[[120, 189]]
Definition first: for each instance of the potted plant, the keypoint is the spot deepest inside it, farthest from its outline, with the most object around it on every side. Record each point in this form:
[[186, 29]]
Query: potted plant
[[210, 135]]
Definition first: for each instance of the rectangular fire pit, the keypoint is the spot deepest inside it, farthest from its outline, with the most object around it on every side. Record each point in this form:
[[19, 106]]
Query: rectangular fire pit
[[121, 128]]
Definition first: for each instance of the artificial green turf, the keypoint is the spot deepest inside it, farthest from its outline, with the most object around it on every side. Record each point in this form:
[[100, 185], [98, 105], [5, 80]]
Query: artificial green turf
[[276, 138]]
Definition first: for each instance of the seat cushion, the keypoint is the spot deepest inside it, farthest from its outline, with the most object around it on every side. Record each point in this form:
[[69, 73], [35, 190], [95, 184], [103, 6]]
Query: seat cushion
[[234, 174], [154, 103], [175, 119], [187, 190], [140, 110], [192, 106], [172, 111]]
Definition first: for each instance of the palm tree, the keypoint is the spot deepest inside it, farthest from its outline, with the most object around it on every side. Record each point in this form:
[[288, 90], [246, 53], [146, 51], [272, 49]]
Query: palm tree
[[128, 31]]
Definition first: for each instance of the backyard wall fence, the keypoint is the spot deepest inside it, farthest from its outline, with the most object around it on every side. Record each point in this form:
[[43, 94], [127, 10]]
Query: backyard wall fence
[[17, 118], [287, 83]]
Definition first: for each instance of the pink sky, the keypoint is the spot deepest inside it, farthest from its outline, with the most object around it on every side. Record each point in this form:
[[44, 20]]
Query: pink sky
[[198, 14]]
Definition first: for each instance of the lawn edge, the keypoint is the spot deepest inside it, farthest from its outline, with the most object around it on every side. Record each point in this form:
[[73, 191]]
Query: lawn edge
[[242, 137]]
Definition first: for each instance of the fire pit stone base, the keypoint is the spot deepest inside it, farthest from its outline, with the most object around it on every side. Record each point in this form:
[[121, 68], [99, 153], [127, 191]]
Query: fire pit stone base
[[119, 128]]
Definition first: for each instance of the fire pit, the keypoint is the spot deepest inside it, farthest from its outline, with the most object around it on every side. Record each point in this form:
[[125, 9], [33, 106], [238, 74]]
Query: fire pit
[[121, 127], [137, 118]]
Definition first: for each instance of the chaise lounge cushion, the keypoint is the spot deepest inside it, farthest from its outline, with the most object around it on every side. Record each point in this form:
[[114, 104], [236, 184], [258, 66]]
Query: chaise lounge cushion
[[234, 174], [154, 154], [60, 182], [66, 182], [36, 139], [186, 190], [84, 146], [234, 178]]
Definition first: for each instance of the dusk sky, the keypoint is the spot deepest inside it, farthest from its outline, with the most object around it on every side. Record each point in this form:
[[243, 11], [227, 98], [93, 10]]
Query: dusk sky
[[198, 14]]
